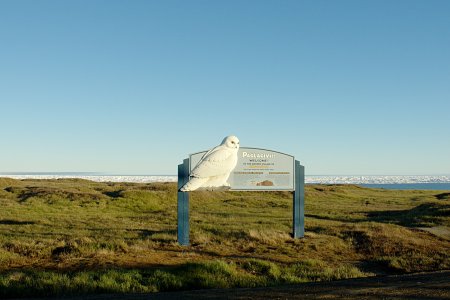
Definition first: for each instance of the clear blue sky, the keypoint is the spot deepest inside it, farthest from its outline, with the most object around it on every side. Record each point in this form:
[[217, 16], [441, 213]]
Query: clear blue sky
[[348, 87]]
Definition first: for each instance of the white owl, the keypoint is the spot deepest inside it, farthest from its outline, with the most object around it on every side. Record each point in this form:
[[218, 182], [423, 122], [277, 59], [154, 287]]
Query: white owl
[[215, 166]]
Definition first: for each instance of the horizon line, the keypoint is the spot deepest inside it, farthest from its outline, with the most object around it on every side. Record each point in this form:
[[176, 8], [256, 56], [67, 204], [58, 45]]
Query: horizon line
[[146, 174]]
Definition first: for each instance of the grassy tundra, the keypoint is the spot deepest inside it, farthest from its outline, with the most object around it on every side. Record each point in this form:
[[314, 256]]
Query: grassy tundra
[[71, 237]]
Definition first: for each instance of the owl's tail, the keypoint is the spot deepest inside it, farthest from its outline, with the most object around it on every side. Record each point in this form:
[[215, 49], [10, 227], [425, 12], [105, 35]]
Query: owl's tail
[[193, 184]]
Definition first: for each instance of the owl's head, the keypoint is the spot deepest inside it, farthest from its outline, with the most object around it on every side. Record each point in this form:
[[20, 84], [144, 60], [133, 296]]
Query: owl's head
[[231, 142]]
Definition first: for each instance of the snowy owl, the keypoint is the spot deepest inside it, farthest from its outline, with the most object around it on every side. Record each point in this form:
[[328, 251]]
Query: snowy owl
[[215, 166]]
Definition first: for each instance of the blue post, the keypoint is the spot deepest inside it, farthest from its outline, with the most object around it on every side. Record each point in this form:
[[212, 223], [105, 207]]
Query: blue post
[[183, 204], [299, 202]]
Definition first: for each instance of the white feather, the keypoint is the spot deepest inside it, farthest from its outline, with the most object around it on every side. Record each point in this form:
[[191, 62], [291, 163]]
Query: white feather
[[215, 167]]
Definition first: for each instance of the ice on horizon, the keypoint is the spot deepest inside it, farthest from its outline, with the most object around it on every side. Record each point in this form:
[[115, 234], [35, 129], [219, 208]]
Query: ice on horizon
[[377, 179], [325, 179], [102, 178]]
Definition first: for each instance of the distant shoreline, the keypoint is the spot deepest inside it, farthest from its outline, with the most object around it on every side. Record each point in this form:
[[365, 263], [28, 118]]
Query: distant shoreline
[[402, 182], [411, 186]]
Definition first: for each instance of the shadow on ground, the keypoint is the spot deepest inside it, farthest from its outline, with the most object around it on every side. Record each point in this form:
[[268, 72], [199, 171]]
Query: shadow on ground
[[415, 217]]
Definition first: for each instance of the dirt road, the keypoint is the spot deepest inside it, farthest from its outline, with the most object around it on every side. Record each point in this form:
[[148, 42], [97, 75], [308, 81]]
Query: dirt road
[[418, 286], [426, 286]]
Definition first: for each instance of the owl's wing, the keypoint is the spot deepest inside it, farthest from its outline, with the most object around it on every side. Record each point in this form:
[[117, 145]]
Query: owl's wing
[[213, 163]]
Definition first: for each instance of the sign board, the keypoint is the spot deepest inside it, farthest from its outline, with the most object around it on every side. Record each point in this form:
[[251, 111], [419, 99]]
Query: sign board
[[256, 170], [259, 170]]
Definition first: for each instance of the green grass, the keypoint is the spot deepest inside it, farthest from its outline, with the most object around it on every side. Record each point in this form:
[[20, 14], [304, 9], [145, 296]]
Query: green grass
[[71, 237], [211, 274]]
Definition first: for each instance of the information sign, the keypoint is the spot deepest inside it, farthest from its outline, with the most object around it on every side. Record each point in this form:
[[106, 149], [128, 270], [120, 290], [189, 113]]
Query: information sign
[[258, 169]]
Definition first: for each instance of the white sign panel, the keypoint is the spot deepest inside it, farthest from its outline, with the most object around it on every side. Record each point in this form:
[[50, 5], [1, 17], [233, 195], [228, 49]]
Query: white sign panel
[[259, 170]]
